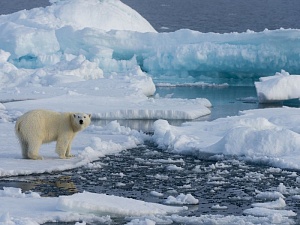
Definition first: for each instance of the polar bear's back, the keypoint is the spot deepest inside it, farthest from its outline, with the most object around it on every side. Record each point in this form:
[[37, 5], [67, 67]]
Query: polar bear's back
[[43, 124]]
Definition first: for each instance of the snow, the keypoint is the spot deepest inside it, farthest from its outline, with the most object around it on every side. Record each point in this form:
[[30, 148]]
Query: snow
[[269, 136], [103, 59], [17, 208], [281, 86], [114, 206]]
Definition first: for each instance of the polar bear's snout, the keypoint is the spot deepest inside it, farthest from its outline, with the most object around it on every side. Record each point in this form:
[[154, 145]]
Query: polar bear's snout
[[81, 121]]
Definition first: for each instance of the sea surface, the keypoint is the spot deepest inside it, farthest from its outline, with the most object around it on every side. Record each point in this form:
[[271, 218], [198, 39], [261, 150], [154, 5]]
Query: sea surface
[[239, 180], [219, 16]]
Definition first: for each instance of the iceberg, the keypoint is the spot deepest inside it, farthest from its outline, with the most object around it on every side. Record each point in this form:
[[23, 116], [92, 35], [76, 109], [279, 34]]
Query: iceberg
[[281, 86], [112, 37]]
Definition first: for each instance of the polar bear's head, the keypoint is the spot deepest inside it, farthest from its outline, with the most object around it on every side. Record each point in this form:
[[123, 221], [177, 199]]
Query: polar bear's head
[[80, 121]]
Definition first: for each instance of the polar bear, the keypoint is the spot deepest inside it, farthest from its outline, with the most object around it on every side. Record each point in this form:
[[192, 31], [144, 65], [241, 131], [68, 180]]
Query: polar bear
[[37, 127]]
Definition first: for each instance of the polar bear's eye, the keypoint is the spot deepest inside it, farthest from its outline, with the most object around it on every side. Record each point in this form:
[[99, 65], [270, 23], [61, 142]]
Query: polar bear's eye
[[84, 117]]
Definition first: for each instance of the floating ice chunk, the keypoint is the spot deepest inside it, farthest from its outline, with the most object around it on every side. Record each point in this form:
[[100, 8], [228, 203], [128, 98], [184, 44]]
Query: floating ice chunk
[[296, 197], [219, 207], [174, 168], [259, 211], [101, 204], [269, 195], [157, 194], [161, 177], [282, 188], [169, 160], [281, 86], [182, 199], [143, 221], [17, 193], [277, 204]]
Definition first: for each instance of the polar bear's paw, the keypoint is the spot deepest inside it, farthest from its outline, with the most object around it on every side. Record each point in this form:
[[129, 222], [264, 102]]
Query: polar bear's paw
[[66, 156], [35, 157]]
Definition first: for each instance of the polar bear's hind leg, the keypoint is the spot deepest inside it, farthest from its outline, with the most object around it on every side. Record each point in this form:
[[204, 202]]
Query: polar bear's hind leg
[[33, 150], [24, 147]]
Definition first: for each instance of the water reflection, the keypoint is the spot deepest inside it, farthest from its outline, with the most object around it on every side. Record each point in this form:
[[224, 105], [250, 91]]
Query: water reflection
[[57, 185], [140, 125]]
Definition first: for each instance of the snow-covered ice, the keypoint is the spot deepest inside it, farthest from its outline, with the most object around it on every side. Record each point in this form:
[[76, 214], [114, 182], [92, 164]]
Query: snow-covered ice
[[89, 145], [115, 206], [264, 135], [20, 208], [281, 86]]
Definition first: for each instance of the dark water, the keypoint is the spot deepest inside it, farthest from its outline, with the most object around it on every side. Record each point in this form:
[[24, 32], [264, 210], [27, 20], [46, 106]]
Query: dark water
[[219, 15], [226, 101], [11, 6]]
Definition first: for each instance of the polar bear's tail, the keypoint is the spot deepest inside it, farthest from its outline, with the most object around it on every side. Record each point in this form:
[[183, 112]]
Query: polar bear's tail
[[23, 143], [17, 127]]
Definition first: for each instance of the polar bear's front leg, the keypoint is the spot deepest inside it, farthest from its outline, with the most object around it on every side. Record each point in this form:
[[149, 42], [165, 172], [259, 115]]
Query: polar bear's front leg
[[61, 147], [68, 152]]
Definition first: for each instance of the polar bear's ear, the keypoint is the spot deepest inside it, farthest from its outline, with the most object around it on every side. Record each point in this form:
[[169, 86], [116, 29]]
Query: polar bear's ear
[[74, 115], [90, 115]]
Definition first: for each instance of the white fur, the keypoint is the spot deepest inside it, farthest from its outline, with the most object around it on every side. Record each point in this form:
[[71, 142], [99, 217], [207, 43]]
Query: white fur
[[37, 127]]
